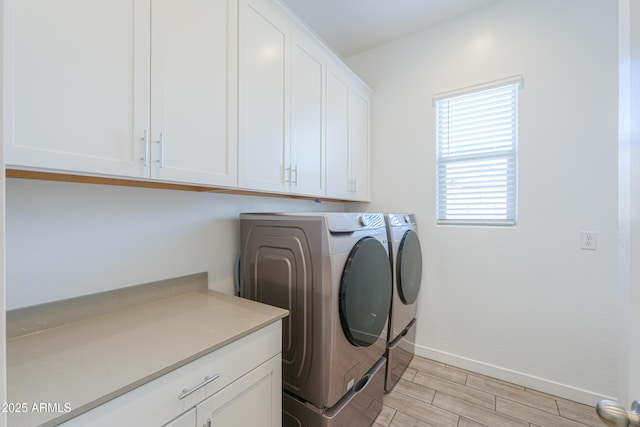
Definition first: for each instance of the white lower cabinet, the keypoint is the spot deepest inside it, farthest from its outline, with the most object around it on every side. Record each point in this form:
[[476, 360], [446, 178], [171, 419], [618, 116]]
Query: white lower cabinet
[[253, 400], [188, 419], [220, 386]]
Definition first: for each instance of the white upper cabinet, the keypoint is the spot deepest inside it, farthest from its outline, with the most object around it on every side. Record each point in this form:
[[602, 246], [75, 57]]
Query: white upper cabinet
[[228, 93], [83, 95], [359, 141], [307, 164], [281, 97], [193, 91], [348, 136], [76, 90], [264, 84], [338, 181]]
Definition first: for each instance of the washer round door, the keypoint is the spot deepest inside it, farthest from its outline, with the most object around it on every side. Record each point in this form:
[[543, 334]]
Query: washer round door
[[365, 292], [409, 267]]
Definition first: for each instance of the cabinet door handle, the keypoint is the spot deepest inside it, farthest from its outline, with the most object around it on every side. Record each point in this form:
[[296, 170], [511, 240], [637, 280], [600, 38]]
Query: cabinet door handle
[[187, 391], [145, 147], [355, 186], [161, 151], [287, 172], [294, 171]]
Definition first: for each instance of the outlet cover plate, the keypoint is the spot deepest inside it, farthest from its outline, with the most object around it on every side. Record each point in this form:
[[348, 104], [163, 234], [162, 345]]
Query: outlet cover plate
[[589, 240]]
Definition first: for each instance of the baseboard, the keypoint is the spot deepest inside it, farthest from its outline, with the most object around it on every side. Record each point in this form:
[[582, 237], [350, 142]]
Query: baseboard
[[540, 384]]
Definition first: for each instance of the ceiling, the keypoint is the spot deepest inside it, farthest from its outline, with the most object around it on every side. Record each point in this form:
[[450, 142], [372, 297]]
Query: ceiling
[[352, 26]]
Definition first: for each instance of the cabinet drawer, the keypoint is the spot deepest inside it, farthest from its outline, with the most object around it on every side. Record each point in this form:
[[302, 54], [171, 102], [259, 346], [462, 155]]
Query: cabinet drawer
[[157, 401]]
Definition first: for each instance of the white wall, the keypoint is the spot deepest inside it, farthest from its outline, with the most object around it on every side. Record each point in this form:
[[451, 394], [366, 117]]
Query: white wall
[[633, 392], [3, 365], [521, 303], [67, 239], [629, 202]]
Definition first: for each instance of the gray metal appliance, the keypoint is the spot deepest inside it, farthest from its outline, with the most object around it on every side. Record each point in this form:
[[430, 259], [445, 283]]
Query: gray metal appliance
[[332, 272], [406, 261]]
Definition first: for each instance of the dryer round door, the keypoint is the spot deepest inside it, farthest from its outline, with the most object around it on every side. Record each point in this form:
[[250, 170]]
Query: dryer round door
[[365, 292], [409, 267]]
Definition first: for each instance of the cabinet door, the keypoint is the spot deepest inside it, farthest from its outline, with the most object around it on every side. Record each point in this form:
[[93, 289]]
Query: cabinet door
[[194, 95], [188, 419], [337, 128], [253, 400], [263, 96], [359, 144], [76, 88], [307, 106]]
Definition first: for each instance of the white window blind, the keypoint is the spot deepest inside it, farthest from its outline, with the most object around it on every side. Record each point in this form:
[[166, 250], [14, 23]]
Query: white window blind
[[477, 156]]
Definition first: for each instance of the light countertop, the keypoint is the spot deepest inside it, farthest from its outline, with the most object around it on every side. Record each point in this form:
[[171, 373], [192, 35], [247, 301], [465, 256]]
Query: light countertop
[[83, 364]]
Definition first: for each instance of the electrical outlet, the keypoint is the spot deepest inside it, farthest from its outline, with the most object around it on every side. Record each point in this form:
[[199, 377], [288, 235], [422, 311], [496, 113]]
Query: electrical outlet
[[589, 240]]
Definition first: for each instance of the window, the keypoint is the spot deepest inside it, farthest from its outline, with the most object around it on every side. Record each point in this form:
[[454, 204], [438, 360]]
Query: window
[[476, 141]]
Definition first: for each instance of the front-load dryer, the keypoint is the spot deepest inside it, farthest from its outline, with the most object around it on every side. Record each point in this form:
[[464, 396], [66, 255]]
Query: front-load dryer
[[332, 272], [406, 261]]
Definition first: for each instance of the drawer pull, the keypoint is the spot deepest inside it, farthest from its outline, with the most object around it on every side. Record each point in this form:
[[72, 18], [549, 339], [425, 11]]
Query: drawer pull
[[187, 391]]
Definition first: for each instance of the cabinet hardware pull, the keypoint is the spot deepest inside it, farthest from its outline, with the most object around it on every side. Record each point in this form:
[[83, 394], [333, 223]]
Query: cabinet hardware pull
[[295, 171], [161, 152], [145, 147], [355, 186], [287, 180], [352, 186], [187, 391]]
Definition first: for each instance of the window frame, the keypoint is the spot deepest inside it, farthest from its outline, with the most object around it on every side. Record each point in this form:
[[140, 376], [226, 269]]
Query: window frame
[[503, 159]]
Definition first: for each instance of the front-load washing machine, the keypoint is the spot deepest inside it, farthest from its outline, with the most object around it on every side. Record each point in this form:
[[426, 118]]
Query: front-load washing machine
[[406, 261], [332, 272]]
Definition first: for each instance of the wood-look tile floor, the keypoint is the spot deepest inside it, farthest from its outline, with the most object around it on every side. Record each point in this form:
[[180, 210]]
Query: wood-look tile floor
[[438, 395]]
